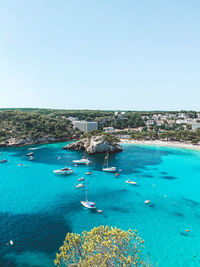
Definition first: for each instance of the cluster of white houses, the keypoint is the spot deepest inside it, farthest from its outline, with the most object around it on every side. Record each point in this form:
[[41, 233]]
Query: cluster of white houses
[[151, 120], [170, 119]]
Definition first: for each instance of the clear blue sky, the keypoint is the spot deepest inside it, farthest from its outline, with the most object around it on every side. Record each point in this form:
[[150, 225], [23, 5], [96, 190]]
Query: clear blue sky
[[100, 54]]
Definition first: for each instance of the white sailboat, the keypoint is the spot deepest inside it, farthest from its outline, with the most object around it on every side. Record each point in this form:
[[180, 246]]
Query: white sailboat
[[86, 203], [3, 160], [106, 168]]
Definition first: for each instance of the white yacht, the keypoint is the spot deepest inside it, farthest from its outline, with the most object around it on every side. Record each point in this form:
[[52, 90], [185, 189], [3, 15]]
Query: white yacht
[[64, 171], [106, 168], [86, 203], [82, 161]]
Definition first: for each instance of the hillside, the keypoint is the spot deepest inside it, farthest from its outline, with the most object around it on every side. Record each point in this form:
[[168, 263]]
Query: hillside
[[24, 127]]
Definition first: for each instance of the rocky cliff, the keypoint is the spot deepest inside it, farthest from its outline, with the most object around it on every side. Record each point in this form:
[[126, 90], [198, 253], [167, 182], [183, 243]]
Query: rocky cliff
[[95, 145]]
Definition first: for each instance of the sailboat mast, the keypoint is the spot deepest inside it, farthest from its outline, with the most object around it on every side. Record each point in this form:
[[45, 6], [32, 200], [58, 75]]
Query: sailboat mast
[[107, 158], [86, 192]]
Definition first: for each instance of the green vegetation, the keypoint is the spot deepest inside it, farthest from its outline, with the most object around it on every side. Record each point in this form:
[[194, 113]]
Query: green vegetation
[[23, 125], [45, 123], [102, 246], [178, 135]]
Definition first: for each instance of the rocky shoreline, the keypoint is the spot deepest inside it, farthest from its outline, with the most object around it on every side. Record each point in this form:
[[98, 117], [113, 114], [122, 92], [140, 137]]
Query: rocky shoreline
[[13, 142], [95, 145]]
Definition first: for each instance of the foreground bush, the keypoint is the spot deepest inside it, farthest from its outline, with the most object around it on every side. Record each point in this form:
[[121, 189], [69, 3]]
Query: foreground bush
[[102, 246]]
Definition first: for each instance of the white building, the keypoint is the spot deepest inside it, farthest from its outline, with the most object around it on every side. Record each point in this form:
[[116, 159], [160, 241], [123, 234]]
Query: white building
[[86, 126], [195, 126], [182, 115], [172, 116], [180, 121], [150, 122]]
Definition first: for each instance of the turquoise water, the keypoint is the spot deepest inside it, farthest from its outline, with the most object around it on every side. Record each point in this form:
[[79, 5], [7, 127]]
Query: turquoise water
[[38, 208]]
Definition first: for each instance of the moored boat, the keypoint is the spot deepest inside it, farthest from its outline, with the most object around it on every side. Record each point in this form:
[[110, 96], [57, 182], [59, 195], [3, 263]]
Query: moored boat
[[105, 167], [64, 171], [86, 203], [82, 161], [79, 186]]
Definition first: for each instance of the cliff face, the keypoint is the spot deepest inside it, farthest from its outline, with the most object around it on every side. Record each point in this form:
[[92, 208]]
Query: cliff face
[[95, 145]]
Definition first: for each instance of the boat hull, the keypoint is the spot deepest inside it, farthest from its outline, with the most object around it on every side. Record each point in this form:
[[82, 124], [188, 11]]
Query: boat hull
[[112, 169], [84, 203], [63, 173], [81, 162]]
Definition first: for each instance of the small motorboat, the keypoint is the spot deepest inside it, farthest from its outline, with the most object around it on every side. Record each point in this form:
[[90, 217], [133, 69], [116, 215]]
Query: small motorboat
[[31, 158], [82, 161], [30, 154], [116, 174], [79, 186], [89, 173], [20, 164], [130, 182], [81, 179], [64, 171], [75, 165], [147, 201]]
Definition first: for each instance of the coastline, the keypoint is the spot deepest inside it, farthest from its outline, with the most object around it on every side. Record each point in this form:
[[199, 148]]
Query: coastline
[[160, 143], [36, 143]]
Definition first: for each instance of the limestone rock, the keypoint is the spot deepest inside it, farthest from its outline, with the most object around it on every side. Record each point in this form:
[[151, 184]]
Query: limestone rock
[[95, 145]]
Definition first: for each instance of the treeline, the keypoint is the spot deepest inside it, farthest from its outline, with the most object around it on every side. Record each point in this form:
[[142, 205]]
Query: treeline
[[130, 120], [23, 125], [178, 135]]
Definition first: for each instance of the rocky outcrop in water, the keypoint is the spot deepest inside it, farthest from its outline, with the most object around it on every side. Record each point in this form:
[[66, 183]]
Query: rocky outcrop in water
[[95, 145]]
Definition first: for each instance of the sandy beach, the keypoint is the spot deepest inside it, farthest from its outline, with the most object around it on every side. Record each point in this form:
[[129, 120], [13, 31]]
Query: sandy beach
[[161, 143]]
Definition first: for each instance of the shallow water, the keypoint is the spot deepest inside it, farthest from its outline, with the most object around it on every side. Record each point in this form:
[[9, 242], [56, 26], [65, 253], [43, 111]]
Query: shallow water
[[38, 208]]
